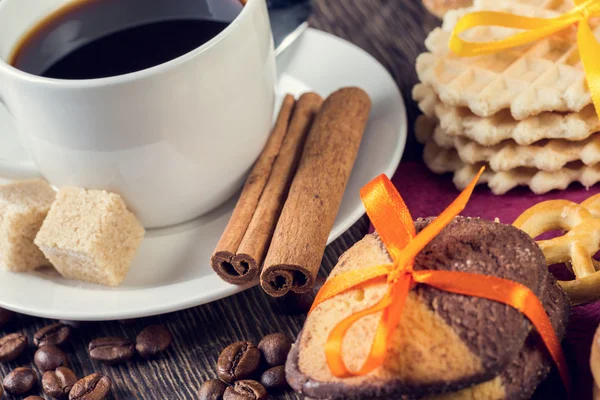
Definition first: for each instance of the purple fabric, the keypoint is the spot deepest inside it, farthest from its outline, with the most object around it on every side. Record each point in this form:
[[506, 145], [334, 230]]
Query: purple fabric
[[427, 194]]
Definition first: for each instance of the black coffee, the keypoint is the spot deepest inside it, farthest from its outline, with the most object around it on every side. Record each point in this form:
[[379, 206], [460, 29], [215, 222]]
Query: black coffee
[[101, 38]]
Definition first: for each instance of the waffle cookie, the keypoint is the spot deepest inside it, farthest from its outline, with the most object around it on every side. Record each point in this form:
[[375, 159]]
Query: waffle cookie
[[440, 161], [546, 75], [445, 342], [547, 155], [490, 131]]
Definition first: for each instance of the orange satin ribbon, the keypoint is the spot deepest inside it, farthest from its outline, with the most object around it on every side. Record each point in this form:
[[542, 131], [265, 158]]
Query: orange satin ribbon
[[392, 220]]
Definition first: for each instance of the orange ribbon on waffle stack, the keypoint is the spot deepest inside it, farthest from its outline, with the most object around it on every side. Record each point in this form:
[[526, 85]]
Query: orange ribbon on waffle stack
[[536, 29], [392, 220]]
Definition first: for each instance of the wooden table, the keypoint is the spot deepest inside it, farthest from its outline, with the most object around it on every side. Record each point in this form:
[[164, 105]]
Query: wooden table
[[392, 31]]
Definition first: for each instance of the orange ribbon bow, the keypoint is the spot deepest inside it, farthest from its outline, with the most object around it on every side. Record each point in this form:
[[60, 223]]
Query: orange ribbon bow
[[395, 226]]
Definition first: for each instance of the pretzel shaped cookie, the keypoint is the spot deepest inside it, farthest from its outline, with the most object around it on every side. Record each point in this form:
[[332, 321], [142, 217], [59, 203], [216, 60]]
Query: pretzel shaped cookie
[[576, 247], [595, 364]]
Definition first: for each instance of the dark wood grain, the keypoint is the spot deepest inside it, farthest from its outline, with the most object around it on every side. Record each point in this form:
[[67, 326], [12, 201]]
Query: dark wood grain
[[392, 31]]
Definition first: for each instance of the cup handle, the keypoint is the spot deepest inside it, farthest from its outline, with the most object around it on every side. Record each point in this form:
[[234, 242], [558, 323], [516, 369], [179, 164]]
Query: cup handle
[[11, 168]]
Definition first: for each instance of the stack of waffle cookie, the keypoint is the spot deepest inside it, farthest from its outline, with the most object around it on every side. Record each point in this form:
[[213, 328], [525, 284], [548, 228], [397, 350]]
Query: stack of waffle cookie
[[525, 113]]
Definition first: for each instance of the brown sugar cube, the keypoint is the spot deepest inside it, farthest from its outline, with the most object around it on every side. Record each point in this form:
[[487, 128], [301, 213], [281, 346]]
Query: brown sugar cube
[[89, 235], [23, 207]]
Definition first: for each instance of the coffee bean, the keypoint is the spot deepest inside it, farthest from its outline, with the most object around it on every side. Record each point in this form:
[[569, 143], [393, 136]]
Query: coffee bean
[[274, 378], [58, 383], [19, 381], [245, 390], [237, 361], [48, 358], [52, 335], [212, 390], [1, 391], [152, 341], [12, 346], [300, 303], [5, 316], [275, 348], [34, 398], [92, 387], [112, 350]]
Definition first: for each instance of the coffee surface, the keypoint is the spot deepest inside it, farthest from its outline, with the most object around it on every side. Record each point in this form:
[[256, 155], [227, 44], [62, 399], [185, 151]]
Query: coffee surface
[[134, 49], [98, 39]]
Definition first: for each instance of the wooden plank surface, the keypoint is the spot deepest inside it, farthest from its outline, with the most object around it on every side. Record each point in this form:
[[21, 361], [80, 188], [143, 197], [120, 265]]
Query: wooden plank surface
[[392, 31]]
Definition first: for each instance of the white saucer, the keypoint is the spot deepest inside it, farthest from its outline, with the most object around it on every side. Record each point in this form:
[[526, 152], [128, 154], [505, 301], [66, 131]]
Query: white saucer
[[171, 271]]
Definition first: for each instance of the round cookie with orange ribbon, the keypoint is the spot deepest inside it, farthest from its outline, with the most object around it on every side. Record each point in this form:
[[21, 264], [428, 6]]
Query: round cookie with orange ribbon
[[447, 346]]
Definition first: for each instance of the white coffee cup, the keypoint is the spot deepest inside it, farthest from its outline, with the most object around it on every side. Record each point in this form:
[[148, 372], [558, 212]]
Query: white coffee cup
[[175, 140]]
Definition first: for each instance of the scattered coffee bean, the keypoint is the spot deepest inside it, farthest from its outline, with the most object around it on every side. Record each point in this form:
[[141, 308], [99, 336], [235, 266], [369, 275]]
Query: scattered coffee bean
[[300, 303], [12, 346], [274, 378], [245, 390], [5, 316], [48, 358], [73, 324], [152, 341], [112, 350], [34, 398], [275, 348], [92, 387], [52, 335], [19, 381], [58, 383], [237, 361], [212, 390]]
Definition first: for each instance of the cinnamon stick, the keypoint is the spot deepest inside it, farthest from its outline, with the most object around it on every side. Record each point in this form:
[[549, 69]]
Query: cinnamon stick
[[248, 201], [254, 245], [315, 195]]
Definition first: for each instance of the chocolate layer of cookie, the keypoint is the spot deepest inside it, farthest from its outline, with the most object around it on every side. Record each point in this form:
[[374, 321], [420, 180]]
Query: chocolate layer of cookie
[[478, 246], [469, 245], [533, 363]]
